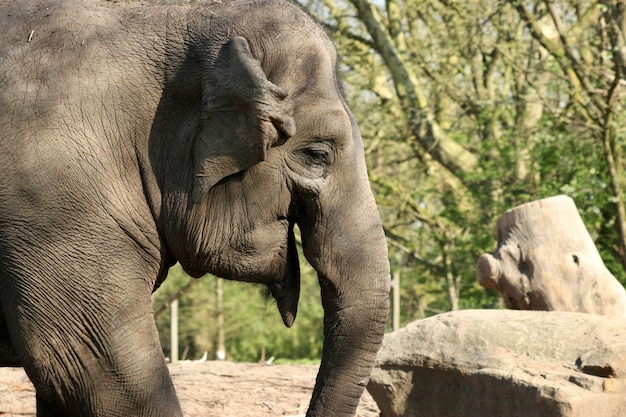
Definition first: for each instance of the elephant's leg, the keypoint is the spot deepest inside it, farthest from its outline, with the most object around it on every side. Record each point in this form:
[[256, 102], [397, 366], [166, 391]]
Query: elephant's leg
[[7, 353], [45, 409], [94, 351]]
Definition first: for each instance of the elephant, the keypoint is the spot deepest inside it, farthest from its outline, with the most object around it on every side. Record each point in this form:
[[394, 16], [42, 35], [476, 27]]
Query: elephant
[[137, 135]]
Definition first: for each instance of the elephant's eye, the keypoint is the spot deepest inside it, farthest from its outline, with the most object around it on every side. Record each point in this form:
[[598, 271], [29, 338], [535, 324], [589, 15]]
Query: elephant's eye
[[317, 153], [321, 156], [315, 158]]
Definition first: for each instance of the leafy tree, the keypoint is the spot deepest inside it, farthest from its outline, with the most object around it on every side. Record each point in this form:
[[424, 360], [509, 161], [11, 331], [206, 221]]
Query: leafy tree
[[469, 108]]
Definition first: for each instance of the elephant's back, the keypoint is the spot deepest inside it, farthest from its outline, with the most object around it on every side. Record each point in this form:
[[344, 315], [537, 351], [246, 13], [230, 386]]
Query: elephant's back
[[45, 50]]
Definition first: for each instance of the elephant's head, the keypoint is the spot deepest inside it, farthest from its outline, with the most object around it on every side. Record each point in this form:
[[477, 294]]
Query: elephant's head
[[270, 143]]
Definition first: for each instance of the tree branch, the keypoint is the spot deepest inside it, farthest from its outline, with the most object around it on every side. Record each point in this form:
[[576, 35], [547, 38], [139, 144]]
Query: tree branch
[[432, 138]]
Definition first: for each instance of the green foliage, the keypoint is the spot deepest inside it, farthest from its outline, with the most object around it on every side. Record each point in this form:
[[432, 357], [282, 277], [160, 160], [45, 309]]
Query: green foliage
[[532, 116]]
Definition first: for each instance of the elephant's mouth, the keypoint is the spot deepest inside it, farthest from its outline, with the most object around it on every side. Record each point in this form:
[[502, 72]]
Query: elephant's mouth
[[286, 290]]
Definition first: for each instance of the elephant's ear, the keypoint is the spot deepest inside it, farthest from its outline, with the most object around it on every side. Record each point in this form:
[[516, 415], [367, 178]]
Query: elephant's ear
[[244, 114]]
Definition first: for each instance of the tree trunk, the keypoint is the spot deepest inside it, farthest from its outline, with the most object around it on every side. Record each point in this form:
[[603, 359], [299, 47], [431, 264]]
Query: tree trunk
[[456, 158], [546, 260], [174, 297]]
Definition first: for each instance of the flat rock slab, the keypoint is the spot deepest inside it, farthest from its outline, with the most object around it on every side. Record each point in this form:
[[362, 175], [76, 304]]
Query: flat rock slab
[[503, 363]]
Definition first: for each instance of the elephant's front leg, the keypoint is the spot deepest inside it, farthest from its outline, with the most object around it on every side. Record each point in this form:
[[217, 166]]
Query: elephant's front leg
[[45, 409], [8, 356], [93, 351]]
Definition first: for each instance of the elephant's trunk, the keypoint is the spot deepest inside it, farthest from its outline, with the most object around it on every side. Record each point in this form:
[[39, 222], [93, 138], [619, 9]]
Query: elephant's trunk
[[353, 331], [355, 296]]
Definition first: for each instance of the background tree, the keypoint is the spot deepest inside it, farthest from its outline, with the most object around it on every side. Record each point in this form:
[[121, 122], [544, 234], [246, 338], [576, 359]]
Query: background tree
[[469, 108]]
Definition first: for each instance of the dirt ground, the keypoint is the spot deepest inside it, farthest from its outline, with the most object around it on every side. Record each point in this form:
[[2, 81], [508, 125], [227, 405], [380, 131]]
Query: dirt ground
[[209, 389]]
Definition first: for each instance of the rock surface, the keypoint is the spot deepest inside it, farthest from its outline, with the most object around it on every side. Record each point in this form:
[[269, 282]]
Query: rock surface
[[500, 363]]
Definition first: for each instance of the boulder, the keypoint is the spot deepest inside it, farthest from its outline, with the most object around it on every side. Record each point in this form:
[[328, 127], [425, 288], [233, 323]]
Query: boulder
[[503, 363]]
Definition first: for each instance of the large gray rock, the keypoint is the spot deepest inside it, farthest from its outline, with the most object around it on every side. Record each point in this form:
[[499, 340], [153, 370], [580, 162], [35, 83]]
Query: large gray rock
[[501, 363]]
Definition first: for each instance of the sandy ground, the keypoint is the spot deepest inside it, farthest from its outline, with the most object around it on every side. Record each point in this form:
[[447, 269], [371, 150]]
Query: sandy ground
[[209, 389]]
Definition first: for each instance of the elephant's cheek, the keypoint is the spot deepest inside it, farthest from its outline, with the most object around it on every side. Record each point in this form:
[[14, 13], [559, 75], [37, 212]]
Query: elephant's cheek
[[271, 245]]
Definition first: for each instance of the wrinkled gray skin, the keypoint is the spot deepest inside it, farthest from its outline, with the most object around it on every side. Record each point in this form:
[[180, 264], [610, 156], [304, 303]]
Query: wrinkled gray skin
[[133, 136]]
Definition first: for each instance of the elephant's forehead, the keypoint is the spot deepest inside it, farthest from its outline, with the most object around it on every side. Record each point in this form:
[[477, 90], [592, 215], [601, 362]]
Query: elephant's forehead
[[323, 121], [302, 56]]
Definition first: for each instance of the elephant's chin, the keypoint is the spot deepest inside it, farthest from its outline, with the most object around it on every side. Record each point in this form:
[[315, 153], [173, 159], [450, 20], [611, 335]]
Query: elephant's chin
[[194, 273], [265, 262]]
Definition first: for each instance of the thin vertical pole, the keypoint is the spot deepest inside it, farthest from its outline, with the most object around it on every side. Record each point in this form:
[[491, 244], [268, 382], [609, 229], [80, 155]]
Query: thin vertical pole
[[174, 332], [395, 294], [220, 352]]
